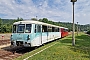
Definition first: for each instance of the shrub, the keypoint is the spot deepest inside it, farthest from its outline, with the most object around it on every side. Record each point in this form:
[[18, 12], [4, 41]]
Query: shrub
[[88, 32]]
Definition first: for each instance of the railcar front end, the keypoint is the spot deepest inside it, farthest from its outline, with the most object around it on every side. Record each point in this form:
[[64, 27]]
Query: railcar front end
[[21, 35]]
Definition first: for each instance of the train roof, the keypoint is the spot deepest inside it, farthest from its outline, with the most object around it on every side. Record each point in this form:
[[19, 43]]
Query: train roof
[[64, 27], [34, 22]]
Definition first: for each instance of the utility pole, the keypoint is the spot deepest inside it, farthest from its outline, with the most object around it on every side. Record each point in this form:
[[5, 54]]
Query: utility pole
[[77, 28], [73, 35]]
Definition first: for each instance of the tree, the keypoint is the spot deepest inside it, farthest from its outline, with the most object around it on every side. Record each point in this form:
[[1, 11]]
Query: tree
[[0, 22], [19, 19], [40, 20], [88, 32], [45, 20], [34, 19]]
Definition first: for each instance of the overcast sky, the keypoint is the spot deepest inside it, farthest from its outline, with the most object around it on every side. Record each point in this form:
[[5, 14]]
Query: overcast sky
[[55, 10]]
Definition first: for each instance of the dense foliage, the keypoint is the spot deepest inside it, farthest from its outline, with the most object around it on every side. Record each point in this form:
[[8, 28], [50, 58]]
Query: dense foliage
[[6, 24], [88, 32]]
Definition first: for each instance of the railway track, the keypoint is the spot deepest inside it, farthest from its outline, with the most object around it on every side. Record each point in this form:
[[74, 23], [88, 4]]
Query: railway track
[[9, 53], [4, 42]]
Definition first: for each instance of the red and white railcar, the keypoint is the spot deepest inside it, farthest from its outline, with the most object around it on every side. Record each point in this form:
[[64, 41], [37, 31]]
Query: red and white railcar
[[64, 31]]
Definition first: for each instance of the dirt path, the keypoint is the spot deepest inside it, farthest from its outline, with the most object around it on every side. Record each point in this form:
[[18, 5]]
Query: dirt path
[[5, 36], [2, 46]]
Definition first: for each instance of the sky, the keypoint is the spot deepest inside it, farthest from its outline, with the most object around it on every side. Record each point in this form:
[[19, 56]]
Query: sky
[[54, 10]]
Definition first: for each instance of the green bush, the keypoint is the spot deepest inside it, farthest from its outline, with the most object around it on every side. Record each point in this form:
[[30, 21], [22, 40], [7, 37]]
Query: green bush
[[88, 32]]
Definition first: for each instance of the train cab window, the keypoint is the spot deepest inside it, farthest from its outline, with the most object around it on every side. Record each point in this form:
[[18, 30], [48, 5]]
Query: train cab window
[[20, 28], [28, 28], [14, 28]]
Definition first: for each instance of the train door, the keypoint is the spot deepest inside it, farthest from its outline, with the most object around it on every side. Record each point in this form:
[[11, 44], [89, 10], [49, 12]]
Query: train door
[[50, 35], [44, 34], [38, 34], [61, 32]]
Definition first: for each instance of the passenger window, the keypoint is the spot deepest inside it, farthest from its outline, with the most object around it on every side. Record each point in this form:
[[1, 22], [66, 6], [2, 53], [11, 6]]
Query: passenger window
[[44, 28], [49, 29], [56, 29], [53, 29]]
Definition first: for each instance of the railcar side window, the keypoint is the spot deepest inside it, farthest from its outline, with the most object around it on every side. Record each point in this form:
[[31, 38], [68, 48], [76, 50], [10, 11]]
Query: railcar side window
[[49, 29], [28, 28], [53, 29], [56, 29], [21, 28], [44, 28], [14, 28]]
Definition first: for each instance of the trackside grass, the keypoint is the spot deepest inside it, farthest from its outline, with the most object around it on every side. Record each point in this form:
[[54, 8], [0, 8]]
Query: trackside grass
[[63, 50]]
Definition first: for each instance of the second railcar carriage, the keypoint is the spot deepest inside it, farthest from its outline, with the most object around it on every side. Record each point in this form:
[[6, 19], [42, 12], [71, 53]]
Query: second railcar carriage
[[33, 33], [64, 31]]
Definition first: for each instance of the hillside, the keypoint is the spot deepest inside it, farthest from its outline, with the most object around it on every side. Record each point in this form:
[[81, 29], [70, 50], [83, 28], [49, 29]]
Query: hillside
[[6, 24], [67, 24], [8, 21]]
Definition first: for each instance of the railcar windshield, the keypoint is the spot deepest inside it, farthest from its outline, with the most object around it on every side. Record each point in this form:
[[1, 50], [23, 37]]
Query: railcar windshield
[[21, 28], [28, 28]]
